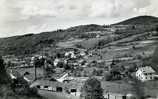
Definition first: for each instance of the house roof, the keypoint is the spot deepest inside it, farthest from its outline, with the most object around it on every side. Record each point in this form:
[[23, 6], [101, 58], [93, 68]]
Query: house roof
[[47, 83], [74, 85], [54, 84], [147, 69]]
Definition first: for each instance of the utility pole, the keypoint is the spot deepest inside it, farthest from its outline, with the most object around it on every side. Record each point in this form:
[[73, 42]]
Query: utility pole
[[108, 95], [44, 63], [35, 71], [44, 68]]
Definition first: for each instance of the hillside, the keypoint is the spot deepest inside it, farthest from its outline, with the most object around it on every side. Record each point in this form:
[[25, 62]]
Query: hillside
[[32, 43], [140, 20]]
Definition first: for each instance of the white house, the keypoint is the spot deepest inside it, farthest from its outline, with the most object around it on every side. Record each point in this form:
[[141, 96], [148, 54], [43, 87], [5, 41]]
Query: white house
[[145, 73], [56, 61], [70, 54]]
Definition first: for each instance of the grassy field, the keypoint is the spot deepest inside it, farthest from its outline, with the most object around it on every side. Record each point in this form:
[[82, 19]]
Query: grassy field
[[69, 43]]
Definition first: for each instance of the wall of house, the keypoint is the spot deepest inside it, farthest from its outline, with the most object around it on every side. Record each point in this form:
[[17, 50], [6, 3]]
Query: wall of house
[[141, 76], [71, 91]]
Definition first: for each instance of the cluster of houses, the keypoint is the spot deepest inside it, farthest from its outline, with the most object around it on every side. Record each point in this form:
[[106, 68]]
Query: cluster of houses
[[72, 85], [74, 88], [71, 57]]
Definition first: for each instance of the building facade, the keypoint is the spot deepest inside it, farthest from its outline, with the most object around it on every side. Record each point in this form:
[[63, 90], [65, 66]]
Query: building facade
[[145, 73]]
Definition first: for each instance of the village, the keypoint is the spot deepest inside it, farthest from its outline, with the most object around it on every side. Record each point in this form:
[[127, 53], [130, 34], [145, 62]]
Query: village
[[79, 49], [65, 70]]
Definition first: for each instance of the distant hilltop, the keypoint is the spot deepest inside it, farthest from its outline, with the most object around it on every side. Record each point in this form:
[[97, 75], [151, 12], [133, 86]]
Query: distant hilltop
[[140, 20]]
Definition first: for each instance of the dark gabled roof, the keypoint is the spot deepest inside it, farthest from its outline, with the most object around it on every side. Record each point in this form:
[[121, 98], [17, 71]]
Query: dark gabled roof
[[48, 83]]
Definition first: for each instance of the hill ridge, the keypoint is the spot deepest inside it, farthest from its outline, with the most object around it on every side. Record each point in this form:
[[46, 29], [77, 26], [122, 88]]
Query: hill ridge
[[139, 20], [31, 43]]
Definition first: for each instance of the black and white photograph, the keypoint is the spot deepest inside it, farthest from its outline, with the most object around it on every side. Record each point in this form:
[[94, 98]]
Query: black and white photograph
[[78, 49]]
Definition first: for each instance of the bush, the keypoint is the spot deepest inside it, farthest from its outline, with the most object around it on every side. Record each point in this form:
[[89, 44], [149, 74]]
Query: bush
[[4, 78], [92, 89], [107, 76]]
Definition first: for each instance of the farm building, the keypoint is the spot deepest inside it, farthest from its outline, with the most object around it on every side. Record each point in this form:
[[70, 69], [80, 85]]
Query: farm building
[[70, 54], [72, 88]]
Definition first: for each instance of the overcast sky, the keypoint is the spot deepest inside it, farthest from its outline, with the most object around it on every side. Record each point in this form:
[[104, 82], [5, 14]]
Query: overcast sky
[[33, 16]]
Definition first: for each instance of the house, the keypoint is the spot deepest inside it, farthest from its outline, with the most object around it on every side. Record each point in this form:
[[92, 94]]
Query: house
[[47, 85], [33, 58], [97, 36], [56, 61], [70, 54], [82, 53], [59, 70], [59, 62], [74, 87], [145, 73]]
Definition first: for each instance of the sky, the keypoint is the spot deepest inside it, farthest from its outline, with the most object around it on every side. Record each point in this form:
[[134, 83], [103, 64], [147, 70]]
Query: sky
[[34, 16]]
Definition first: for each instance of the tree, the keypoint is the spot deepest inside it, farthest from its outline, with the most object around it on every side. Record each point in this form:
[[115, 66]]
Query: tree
[[132, 68], [116, 75], [21, 87], [107, 76], [39, 62], [155, 59], [157, 29], [92, 89], [4, 78], [2, 67], [97, 72]]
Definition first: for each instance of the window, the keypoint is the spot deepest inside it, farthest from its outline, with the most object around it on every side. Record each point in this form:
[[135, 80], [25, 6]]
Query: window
[[141, 77], [124, 97], [38, 86], [146, 77], [52, 79], [73, 90], [145, 74], [59, 89], [45, 86], [150, 73]]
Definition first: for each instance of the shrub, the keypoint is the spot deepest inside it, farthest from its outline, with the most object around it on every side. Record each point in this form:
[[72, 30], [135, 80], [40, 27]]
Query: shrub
[[92, 89]]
